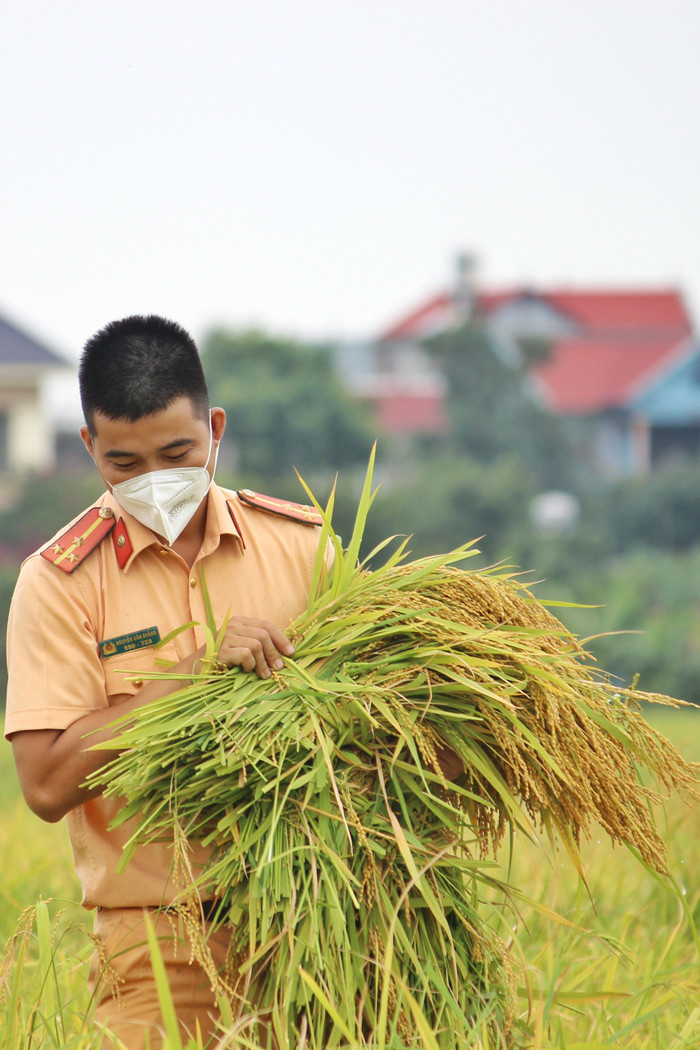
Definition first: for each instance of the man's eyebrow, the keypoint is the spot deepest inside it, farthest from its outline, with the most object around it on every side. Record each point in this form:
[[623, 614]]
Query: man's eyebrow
[[117, 453]]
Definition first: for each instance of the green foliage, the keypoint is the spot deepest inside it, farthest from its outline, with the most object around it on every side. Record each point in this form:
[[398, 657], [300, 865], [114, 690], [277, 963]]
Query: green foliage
[[285, 405], [490, 414], [654, 598], [46, 502], [633, 555], [659, 510], [534, 348], [450, 499]]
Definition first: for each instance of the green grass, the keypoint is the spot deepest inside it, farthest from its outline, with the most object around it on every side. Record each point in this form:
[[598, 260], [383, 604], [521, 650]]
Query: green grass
[[620, 968], [626, 972], [43, 994]]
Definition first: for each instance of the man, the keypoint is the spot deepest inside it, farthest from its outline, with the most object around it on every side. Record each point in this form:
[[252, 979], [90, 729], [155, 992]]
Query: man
[[88, 611]]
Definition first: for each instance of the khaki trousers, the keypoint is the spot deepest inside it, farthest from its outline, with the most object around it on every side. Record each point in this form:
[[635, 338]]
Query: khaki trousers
[[123, 984]]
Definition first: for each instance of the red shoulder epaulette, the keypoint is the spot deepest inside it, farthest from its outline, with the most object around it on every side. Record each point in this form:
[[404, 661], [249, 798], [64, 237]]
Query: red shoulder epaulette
[[282, 507], [71, 548]]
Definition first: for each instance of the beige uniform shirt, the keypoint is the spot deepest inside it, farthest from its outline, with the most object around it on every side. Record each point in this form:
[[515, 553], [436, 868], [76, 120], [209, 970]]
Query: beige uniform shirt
[[255, 564]]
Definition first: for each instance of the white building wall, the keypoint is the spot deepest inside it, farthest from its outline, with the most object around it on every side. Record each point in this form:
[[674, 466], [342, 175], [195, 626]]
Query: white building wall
[[529, 316], [30, 444]]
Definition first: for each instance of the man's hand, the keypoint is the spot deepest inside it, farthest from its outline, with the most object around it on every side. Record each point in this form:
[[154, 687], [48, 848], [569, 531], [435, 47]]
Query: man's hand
[[449, 761], [254, 645]]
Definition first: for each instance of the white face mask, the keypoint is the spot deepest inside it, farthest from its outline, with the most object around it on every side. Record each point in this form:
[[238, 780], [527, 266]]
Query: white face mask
[[166, 500]]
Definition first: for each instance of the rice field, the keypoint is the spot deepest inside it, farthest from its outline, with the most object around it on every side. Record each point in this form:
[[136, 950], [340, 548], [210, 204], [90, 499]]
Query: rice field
[[612, 963], [626, 972]]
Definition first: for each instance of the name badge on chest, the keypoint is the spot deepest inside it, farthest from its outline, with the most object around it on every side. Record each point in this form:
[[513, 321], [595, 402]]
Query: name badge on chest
[[127, 643]]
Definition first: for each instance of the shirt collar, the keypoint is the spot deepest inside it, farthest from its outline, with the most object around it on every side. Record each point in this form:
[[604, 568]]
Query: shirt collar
[[138, 535], [220, 522], [221, 519]]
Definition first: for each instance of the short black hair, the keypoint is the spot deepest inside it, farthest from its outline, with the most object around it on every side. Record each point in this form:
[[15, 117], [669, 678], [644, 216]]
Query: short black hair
[[137, 366]]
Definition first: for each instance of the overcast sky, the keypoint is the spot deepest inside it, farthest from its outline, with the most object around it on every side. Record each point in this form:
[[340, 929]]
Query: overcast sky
[[314, 166]]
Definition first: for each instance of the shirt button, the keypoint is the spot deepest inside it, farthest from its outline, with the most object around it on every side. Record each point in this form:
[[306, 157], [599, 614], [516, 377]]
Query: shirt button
[[193, 583]]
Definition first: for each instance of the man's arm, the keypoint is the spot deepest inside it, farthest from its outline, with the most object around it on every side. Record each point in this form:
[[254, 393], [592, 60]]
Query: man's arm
[[52, 765]]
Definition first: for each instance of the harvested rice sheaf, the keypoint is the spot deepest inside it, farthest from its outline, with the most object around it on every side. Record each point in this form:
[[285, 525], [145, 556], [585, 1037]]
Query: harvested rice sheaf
[[349, 870]]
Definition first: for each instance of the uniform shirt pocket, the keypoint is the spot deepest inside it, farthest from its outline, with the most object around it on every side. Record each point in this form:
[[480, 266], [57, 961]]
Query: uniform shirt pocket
[[125, 673]]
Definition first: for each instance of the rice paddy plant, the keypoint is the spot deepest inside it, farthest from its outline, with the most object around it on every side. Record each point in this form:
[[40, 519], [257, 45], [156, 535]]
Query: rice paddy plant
[[625, 973], [43, 1000], [622, 970], [50, 1016], [358, 883], [44, 946]]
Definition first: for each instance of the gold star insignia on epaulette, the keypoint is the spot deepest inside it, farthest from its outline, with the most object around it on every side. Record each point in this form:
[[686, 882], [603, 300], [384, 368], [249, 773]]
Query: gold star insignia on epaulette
[[80, 539]]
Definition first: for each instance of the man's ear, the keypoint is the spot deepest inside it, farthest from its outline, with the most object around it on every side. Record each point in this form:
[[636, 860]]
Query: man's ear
[[218, 424], [87, 440]]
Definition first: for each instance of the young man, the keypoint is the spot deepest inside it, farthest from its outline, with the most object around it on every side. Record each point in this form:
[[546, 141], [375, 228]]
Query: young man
[[92, 604]]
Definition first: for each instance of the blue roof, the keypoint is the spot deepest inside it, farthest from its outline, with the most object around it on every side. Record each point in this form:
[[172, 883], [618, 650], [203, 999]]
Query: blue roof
[[16, 348], [672, 398]]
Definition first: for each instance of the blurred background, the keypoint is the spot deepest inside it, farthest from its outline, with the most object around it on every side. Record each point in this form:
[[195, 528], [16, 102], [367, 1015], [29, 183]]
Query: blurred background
[[467, 231]]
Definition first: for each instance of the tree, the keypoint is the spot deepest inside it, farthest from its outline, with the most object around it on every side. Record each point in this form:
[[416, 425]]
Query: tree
[[642, 613], [450, 500], [44, 503], [660, 510], [285, 405], [490, 411]]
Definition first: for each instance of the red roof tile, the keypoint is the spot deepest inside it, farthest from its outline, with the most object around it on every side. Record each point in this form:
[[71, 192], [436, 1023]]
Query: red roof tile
[[619, 311], [425, 320], [411, 414], [589, 375], [659, 312]]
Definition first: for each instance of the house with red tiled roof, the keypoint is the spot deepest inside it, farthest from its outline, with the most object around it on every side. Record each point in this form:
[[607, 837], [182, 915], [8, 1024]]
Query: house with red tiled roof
[[622, 364]]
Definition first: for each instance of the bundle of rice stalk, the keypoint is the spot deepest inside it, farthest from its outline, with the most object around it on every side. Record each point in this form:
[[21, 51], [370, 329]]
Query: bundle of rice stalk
[[349, 870]]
